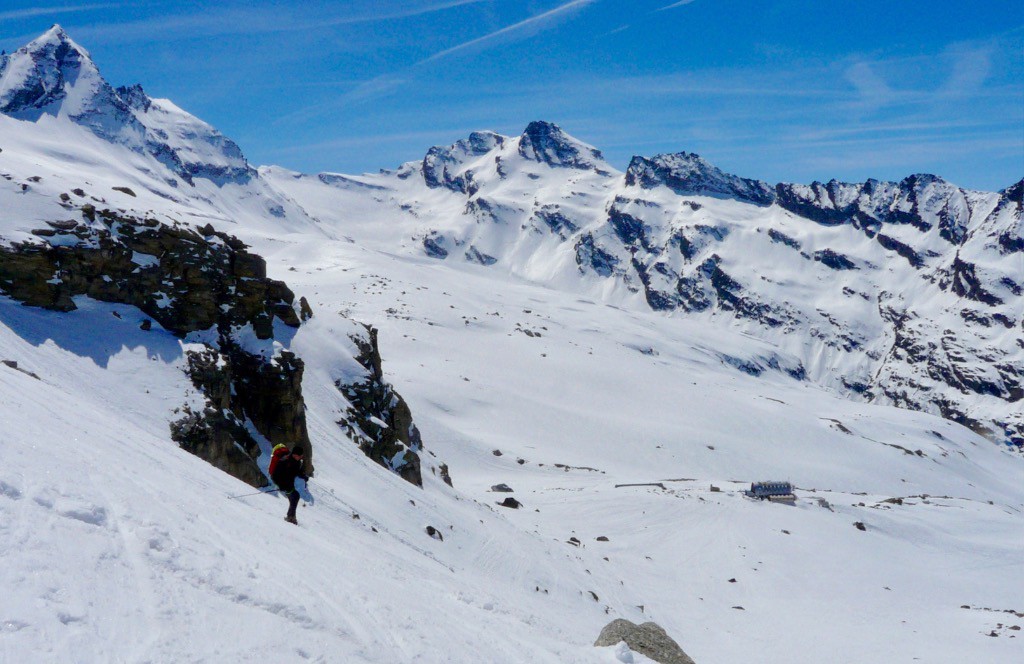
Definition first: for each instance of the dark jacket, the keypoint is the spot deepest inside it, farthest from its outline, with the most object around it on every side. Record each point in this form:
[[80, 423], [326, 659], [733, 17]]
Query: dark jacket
[[286, 471]]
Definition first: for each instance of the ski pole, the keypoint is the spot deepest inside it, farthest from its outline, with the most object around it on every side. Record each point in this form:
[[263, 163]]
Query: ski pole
[[256, 494]]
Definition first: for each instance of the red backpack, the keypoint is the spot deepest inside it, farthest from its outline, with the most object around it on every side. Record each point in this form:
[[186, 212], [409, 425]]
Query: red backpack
[[279, 452]]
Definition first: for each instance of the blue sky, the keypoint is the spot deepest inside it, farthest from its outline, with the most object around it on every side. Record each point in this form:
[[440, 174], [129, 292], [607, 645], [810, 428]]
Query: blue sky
[[787, 90]]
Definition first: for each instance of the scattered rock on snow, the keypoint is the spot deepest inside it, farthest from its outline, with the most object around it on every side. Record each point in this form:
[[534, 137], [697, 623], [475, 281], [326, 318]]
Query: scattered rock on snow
[[435, 533], [14, 365], [445, 474], [504, 488], [511, 502]]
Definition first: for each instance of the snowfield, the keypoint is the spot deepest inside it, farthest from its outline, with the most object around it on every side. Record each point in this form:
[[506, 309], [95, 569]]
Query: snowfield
[[110, 529], [628, 436]]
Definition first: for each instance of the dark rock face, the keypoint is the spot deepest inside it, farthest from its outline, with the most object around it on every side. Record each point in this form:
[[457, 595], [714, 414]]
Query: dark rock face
[[944, 357], [1011, 240], [241, 387], [628, 228], [963, 280], [922, 201], [689, 175], [590, 256], [379, 420], [818, 202], [648, 639], [553, 218], [433, 247], [547, 143], [834, 260], [474, 255], [187, 281], [900, 248], [782, 238]]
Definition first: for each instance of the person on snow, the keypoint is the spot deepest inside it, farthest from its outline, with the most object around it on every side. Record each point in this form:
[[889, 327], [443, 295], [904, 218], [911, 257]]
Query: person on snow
[[291, 481]]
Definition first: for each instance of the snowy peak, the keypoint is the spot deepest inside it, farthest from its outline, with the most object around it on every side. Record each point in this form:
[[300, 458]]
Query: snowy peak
[[38, 75], [452, 167], [442, 165], [53, 75], [546, 143], [194, 148], [688, 174]]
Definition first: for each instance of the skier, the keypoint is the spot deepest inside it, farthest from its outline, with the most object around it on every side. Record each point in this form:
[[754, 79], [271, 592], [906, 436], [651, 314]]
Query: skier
[[291, 481]]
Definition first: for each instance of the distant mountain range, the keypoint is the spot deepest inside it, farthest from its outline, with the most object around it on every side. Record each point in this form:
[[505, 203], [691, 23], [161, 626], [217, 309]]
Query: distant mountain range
[[906, 293]]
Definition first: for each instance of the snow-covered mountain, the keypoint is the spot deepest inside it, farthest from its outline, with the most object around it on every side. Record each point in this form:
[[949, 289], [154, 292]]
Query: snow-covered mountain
[[544, 327], [908, 293]]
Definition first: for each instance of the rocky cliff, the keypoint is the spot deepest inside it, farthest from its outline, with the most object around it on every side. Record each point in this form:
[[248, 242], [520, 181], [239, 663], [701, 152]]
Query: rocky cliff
[[202, 285]]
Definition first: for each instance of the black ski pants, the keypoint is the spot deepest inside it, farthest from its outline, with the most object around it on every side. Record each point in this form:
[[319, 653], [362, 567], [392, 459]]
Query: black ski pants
[[293, 502]]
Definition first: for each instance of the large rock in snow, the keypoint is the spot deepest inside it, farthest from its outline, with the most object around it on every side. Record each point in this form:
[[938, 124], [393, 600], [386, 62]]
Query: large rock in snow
[[648, 639]]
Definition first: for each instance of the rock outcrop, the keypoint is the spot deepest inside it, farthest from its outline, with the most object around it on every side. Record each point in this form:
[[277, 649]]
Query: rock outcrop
[[191, 282], [648, 639], [546, 143], [688, 174], [379, 420]]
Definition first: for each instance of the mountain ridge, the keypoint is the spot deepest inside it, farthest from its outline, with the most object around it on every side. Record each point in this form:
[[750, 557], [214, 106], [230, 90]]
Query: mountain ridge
[[673, 233]]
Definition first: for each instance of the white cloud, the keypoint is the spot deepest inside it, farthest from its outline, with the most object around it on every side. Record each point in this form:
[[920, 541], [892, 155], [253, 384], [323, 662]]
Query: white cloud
[[43, 11], [674, 5], [230, 20], [523, 28]]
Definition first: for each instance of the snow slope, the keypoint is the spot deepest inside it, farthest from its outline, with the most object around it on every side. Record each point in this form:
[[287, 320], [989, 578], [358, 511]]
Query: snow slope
[[119, 546], [93, 483]]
